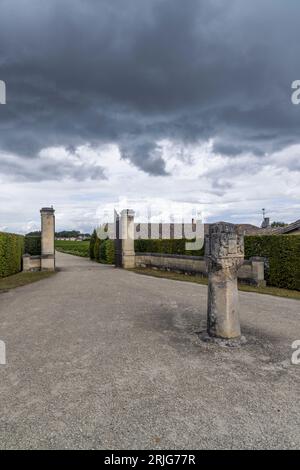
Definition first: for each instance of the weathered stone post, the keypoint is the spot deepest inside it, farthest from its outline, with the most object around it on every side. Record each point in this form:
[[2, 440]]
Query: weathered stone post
[[224, 251], [127, 235], [48, 236]]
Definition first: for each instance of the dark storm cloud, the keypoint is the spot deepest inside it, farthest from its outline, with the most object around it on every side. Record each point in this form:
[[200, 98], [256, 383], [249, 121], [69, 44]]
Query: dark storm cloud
[[145, 155], [134, 72]]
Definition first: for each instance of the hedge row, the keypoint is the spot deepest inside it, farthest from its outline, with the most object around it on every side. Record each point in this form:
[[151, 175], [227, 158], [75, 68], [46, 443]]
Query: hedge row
[[282, 258], [11, 251], [172, 247], [33, 245]]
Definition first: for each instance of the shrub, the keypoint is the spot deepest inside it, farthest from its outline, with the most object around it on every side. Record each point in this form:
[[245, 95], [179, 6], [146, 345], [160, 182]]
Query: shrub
[[110, 251], [32, 245], [11, 251], [282, 258], [102, 252], [92, 244], [107, 251], [97, 248]]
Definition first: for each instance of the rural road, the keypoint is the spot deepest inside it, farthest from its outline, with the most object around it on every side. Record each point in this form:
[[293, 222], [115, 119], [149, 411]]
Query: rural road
[[99, 357]]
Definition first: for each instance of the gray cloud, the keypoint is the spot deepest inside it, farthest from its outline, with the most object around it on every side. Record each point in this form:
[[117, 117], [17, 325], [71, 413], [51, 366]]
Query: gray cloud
[[145, 155], [40, 169], [135, 72]]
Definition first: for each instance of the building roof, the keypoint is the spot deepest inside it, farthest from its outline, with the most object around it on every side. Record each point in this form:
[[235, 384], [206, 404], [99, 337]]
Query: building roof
[[289, 228], [244, 229], [272, 230]]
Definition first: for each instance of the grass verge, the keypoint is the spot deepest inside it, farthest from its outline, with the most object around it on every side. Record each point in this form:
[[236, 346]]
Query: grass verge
[[73, 248], [22, 279], [275, 291], [72, 252]]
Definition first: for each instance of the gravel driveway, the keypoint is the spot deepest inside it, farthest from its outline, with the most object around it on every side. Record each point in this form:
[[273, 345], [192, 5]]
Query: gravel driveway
[[99, 357]]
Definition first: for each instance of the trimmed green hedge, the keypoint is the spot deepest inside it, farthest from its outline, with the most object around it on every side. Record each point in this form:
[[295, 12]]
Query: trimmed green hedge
[[33, 245], [172, 247], [11, 251], [282, 254]]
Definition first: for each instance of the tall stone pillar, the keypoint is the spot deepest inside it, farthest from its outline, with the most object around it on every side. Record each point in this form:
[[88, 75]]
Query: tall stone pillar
[[48, 237], [224, 251], [127, 235]]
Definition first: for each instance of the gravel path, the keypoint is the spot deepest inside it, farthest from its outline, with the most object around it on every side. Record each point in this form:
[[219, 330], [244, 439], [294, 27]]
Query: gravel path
[[99, 357]]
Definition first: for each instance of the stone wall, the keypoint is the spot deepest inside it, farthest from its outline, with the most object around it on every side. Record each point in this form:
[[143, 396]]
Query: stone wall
[[31, 263], [251, 272]]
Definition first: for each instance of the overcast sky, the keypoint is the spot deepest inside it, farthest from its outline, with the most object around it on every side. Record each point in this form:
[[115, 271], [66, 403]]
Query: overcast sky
[[159, 101]]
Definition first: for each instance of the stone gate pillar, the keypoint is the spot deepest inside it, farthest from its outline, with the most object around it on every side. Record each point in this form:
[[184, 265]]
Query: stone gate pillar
[[127, 235], [224, 251], [48, 237]]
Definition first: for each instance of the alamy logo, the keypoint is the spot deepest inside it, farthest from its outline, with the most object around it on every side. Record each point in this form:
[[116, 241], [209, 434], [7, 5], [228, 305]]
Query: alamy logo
[[2, 353], [296, 354], [194, 232], [2, 92], [151, 220], [296, 94]]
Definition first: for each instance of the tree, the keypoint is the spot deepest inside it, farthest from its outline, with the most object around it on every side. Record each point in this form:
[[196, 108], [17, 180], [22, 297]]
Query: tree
[[110, 251], [278, 224], [92, 244], [34, 234], [97, 249], [67, 234]]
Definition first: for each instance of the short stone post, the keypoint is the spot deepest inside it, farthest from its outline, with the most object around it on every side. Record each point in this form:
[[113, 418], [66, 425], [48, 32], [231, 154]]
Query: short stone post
[[224, 251], [48, 237], [127, 235]]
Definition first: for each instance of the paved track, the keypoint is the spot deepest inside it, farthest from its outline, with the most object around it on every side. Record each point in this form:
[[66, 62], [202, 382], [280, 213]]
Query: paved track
[[98, 357]]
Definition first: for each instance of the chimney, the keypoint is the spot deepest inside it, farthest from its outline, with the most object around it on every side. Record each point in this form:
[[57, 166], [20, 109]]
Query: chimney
[[266, 220]]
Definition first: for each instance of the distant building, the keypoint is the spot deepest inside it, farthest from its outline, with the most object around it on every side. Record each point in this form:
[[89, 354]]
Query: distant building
[[266, 222], [79, 238], [291, 229]]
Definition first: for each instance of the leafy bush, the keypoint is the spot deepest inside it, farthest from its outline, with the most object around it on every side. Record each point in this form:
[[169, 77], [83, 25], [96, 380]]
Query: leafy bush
[[107, 251], [11, 251], [33, 245], [102, 252], [110, 251], [282, 258]]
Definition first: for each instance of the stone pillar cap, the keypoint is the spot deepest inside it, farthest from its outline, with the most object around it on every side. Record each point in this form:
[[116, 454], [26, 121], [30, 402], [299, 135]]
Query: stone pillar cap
[[127, 212], [47, 209]]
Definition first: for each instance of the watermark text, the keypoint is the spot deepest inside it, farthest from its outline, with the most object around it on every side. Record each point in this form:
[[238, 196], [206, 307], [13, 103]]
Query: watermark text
[[296, 354], [2, 92], [2, 353]]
